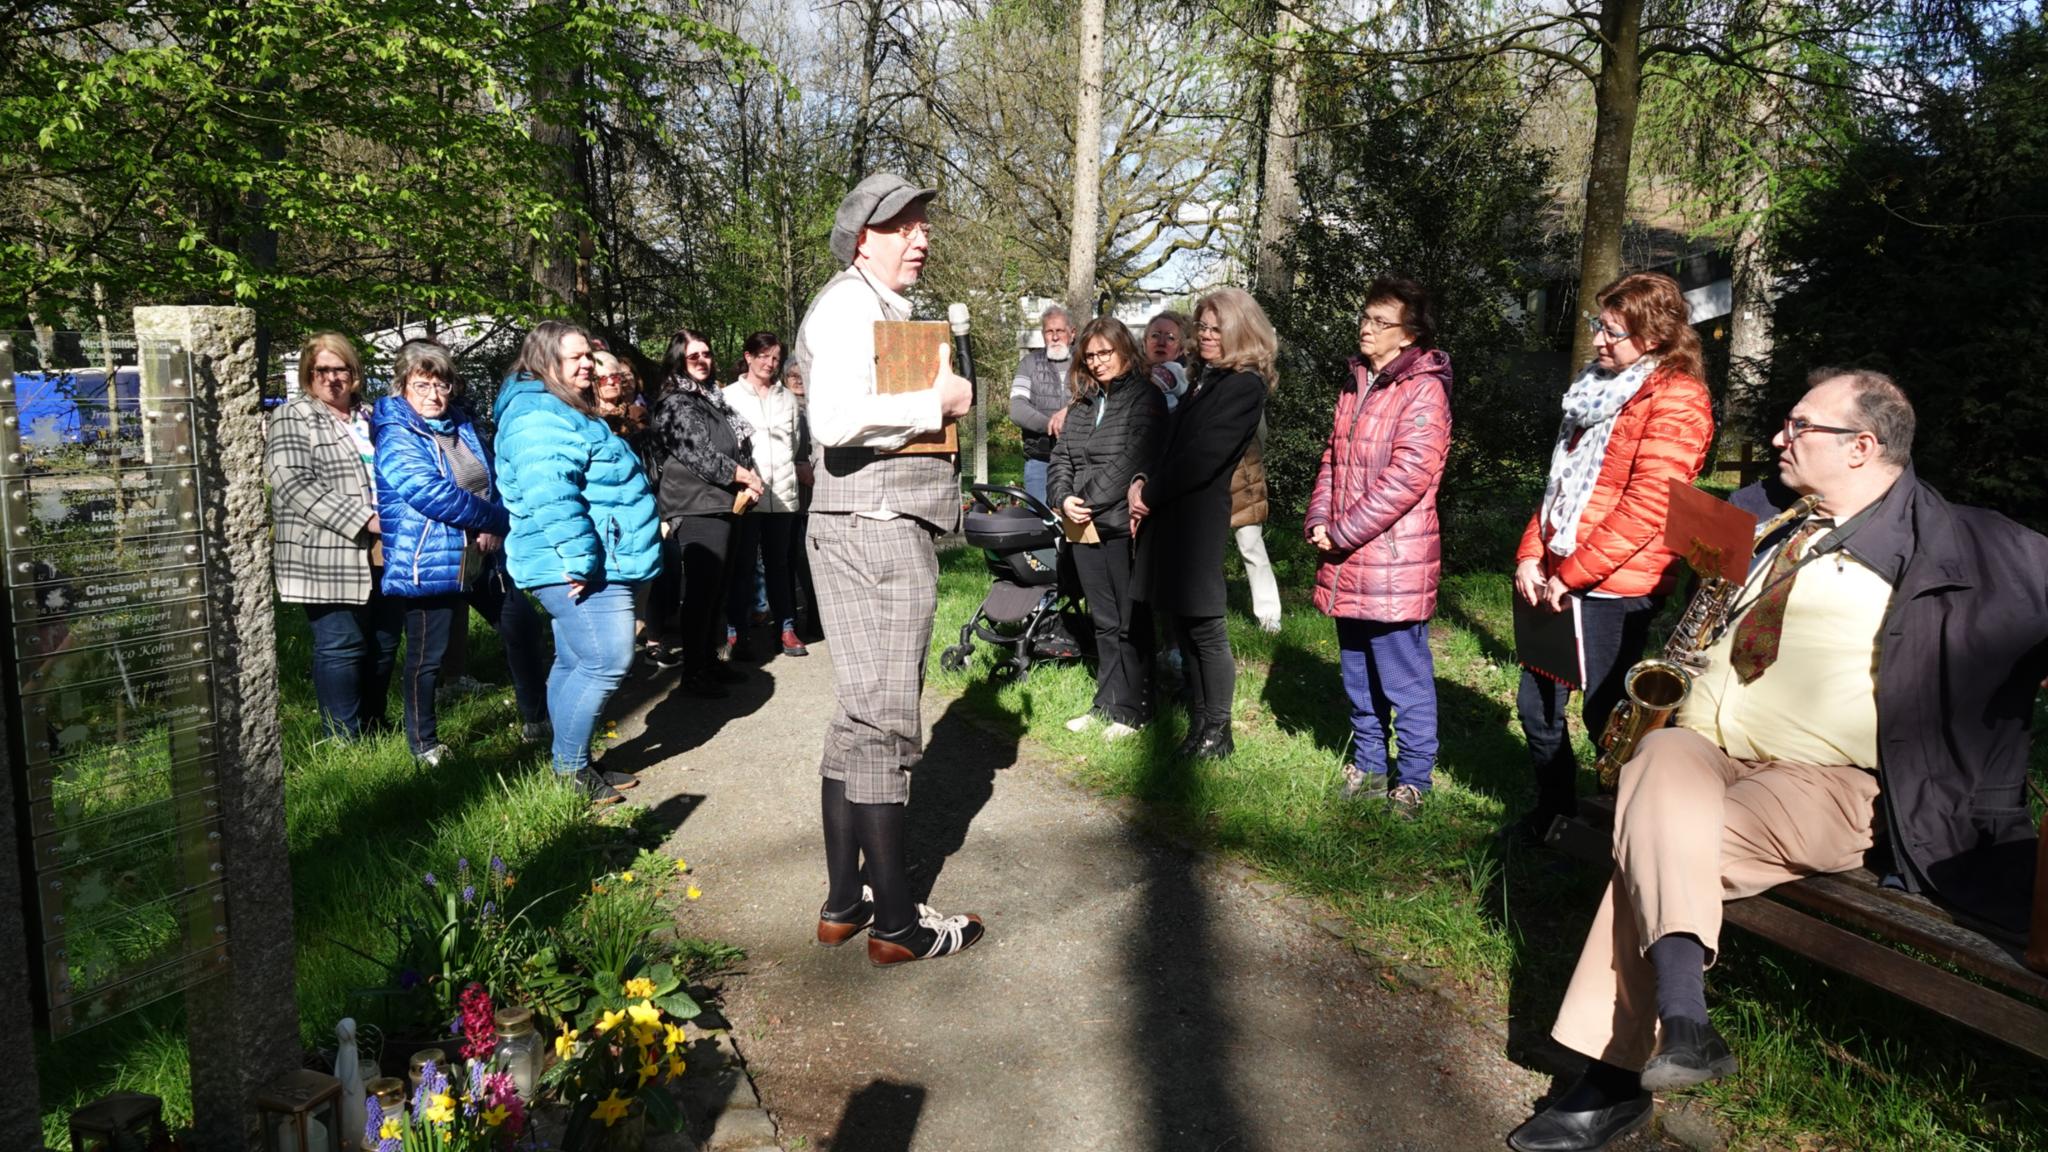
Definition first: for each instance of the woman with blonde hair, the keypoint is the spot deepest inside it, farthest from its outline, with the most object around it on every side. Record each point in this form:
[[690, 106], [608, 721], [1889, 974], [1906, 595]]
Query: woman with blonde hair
[[319, 457], [1180, 507], [1112, 427]]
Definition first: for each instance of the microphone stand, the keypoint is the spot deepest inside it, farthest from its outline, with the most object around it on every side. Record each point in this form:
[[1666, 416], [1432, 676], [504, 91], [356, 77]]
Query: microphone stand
[[963, 362]]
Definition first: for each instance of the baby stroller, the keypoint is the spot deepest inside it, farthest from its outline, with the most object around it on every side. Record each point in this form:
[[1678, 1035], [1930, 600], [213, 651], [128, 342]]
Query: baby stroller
[[1025, 608]]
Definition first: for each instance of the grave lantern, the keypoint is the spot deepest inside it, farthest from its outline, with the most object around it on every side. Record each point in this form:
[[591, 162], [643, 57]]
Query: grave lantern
[[300, 1113], [120, 1122]]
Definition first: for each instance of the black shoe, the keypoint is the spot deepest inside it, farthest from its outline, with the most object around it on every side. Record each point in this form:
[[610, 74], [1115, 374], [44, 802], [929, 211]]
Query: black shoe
[[1552, 1130], [931, 937], [742, 651], [592, 785], [1215, 744], [836, 928], [1688, 1053], [665, 656], [725, 673], [619, 780]]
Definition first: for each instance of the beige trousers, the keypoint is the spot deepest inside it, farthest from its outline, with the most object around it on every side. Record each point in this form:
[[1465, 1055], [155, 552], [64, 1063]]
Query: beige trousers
[[1694, 827]]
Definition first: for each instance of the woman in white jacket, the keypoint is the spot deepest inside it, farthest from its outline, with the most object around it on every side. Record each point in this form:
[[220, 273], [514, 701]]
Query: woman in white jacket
[[759, 397]]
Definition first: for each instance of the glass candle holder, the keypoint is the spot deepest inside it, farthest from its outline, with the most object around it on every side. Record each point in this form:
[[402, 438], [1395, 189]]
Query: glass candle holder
[[519, 1050]]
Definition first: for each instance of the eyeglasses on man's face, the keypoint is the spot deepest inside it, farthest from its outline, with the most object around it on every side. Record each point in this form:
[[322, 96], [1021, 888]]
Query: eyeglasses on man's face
[[905, 228], [1797, 426], [1599, 329]]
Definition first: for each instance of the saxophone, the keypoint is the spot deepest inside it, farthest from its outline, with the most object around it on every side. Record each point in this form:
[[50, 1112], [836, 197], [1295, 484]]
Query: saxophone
[[1653, 688]]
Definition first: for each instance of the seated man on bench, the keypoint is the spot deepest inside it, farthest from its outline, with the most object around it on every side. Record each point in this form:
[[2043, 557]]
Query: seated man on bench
[[1884, 653]]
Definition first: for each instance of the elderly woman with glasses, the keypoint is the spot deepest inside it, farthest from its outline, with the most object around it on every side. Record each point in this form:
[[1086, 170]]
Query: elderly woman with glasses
[[323, 498], [445, 539], [1635, 420]]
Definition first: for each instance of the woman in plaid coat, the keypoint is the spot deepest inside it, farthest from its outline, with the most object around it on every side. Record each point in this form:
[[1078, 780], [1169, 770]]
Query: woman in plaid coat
[[318, 458]]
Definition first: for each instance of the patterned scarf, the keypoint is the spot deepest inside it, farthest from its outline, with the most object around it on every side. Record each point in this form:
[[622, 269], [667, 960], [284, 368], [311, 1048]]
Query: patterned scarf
[[1590, 406], [742, 431]]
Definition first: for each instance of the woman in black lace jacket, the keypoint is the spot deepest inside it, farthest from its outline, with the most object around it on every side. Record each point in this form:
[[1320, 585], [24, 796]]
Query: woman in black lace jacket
[[707, 461]]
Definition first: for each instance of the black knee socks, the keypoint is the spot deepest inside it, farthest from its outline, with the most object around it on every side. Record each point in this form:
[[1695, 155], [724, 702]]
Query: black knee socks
[[1681, 963], [842, 848], [882, 832]]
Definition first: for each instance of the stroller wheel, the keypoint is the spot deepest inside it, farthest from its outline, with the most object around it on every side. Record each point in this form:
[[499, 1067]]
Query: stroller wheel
[[1021, 666], [953, 658]]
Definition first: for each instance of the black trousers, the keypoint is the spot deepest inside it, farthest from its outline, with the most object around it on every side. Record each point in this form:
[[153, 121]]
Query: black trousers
[[696, 547], [1123, 631], [1211, 673], [1615, 632], [768, 535]]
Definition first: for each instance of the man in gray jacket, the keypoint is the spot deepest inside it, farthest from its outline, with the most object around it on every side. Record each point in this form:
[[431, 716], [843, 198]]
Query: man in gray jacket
[[1038, 395]]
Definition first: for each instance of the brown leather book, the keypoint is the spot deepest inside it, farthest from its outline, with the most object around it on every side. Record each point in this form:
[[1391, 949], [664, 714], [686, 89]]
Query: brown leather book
[[906, 359]]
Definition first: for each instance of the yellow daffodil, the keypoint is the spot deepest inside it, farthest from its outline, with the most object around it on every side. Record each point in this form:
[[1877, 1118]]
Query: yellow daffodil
[[626, 877], [675, 1066], [649, 1071], [393, 1128], [611, 1109], [609, 1021], [693, 893], [644, 1035], [565, 1044], [644, 1012], [441, 1109], [496, 1115], [639, 988], [674, 1038]]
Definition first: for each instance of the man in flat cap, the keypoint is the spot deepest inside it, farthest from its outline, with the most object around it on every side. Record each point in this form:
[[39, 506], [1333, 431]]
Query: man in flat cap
[[874, 515]]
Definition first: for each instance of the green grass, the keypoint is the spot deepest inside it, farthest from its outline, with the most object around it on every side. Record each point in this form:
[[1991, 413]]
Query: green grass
[[1828, 1062], [364, 821]]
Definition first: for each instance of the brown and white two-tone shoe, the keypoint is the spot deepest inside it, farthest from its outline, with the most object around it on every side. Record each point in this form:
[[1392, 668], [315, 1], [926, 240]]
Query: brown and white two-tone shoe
[[836, 928], [931, 937]]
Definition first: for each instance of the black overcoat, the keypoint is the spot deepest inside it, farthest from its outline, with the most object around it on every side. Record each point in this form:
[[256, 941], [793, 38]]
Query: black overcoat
[[1961, 655], [1180, 546], [1097, 461]]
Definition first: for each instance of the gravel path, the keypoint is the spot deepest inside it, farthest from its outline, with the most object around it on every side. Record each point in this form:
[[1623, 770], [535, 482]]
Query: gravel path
[[1129, 996]]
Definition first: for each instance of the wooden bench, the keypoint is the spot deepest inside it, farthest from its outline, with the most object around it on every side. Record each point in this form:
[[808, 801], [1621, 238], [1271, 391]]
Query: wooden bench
[[1830, 919]]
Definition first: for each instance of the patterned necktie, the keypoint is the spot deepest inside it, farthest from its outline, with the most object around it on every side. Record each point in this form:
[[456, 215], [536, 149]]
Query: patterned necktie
[[1756, 634]]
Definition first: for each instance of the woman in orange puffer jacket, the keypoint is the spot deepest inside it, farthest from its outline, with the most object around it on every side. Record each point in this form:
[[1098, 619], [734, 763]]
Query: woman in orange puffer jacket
[[1372, 517], [1637, 419]]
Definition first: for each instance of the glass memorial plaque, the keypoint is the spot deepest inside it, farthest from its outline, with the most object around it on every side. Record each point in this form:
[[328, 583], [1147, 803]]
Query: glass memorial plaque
[[109, 634]]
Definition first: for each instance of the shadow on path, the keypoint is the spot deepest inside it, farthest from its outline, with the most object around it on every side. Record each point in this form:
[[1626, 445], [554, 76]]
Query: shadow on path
[[970, 742], [881, 1117]]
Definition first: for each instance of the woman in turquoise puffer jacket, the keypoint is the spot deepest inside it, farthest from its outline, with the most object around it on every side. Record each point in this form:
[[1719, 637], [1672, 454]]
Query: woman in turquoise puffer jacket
[[444, 552], [583, 536]]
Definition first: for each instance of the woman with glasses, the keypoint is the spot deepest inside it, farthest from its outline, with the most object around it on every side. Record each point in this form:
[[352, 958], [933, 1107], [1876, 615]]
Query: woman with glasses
[[1180, 506], [583, 535], [1636, 419], [1112, 430], [323, 496], [445, 539], [707, 461], [776, 417], [1372, 519]]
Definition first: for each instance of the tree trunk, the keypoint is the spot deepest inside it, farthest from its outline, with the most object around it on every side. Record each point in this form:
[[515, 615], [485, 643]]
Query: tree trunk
[[555, 256], [1617, 95], [1279, 197], [1087, 167], [870, 66]]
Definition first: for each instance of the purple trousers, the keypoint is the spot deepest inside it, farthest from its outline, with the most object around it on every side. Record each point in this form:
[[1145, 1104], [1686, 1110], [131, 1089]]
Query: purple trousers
[[1391, 680]]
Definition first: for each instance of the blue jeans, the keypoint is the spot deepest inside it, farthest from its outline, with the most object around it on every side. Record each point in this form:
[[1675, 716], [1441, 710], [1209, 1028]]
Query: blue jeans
[[1034, 476], [353, 647], [593, 653], [1390, 677]]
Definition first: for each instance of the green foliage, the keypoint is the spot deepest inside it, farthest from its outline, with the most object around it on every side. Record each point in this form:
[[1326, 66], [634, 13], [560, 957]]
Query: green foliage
[[1924, 253], [1439, 188]]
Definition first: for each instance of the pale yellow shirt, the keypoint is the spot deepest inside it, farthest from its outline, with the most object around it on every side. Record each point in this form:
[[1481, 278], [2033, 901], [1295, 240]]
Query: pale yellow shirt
[[1817, 703]]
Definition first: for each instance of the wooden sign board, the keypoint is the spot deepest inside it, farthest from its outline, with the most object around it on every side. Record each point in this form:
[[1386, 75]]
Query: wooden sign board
[[906, 359]]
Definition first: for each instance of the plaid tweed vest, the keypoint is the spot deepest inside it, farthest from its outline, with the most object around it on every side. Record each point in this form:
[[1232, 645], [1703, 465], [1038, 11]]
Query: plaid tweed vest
[[863, 479]]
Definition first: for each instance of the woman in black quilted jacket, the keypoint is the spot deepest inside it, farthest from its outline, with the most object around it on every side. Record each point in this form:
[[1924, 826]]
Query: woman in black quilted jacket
[[1112, 430]]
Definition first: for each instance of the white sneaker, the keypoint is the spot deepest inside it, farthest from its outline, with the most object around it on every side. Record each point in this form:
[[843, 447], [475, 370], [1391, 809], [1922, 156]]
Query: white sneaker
[[1081, 723], [432, 757], [1270, 625], [1118, 731]]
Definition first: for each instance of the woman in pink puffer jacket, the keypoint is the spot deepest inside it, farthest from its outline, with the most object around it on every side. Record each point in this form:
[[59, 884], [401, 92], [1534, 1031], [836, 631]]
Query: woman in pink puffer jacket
[[1372, 516]]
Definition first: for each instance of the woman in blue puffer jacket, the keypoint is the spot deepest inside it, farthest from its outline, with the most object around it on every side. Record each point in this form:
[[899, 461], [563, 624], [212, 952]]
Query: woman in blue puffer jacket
[[583, 537], [445, 549]]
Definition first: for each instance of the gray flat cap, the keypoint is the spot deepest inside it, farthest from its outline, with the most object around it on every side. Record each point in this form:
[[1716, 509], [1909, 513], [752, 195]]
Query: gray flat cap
[[879, 197]]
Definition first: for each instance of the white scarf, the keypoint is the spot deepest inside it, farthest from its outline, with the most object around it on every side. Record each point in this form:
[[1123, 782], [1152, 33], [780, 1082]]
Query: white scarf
[[1590, 406]]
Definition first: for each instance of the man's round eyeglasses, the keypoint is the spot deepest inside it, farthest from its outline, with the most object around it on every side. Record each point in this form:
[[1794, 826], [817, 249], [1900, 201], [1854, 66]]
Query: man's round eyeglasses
[[1372, 325], [1598, 330], [437, 387], [1797, 426], [906, 228]]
